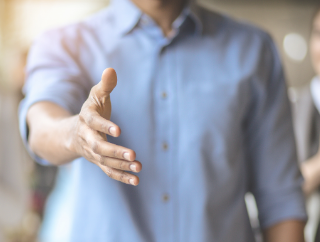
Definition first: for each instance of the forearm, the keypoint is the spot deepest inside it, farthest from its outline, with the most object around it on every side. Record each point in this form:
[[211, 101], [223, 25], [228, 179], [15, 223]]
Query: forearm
[[58, 137], [287, 231], [311, 173], [50, 128]]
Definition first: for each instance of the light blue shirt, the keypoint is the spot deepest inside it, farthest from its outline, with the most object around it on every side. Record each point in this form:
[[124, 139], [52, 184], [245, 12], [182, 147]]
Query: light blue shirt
[[205, 110]]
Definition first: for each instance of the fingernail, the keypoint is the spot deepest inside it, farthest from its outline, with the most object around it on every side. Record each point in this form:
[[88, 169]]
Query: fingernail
[[131, 182], [133, 168], [126, 156], [112, 130]]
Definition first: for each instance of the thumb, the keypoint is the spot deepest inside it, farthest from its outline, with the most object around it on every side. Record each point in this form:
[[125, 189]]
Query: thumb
[[108, 81]]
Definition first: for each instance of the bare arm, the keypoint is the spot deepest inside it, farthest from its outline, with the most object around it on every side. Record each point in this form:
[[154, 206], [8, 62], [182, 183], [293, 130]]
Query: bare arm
[[287, 231], [59, 137], [311, 173], [50, 131]]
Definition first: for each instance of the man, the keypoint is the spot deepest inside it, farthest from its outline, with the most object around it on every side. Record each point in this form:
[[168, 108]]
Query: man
[[200, 100]]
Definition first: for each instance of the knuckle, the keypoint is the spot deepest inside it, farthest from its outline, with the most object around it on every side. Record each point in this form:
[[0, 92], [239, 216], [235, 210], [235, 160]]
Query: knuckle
[[95, 147], [109, 173], [122, 177], [102, 160], [81, 132], [89, 120], [81, 117], [104, 127], [117, 153], [123, 165]]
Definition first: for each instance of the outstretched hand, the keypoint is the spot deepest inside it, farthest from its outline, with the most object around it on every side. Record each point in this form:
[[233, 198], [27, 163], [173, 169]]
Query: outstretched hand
[[89, 135]]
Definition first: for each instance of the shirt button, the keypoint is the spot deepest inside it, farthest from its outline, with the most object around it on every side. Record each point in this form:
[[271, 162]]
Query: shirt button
[[165, 198], [165, 146], [164, 95]]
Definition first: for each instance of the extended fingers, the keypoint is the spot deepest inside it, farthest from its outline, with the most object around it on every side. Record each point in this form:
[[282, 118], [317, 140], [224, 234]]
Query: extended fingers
[[98, 145], [105, 148], [122, 176], [98, 123], [134, 166]]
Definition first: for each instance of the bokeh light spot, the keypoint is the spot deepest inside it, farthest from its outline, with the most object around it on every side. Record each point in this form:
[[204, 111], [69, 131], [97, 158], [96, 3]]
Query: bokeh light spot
[[295, 46]]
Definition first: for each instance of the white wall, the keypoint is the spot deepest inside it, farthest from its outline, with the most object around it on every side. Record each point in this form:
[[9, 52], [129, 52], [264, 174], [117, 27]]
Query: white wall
[[33, 17], [25, 19]]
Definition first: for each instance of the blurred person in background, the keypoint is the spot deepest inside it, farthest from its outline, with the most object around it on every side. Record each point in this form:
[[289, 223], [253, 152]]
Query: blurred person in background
[[311, 168], [200, 100], [307, 125]]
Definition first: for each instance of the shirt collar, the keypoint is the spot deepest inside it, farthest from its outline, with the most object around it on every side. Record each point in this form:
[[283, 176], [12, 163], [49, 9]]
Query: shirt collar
[[127, 16], [195, 15]]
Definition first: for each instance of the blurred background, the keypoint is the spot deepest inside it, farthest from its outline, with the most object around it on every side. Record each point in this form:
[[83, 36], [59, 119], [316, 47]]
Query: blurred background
[[24, 186]]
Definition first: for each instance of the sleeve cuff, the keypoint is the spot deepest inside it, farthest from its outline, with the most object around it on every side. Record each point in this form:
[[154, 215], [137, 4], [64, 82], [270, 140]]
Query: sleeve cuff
[[290, 206]]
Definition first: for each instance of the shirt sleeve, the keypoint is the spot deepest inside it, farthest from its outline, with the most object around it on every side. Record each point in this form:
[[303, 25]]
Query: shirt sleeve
[[275, 178], [53, 74]]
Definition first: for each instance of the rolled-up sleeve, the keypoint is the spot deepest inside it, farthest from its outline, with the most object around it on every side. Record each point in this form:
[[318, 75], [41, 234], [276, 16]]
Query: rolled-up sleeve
[[53, 75], [275, 178]]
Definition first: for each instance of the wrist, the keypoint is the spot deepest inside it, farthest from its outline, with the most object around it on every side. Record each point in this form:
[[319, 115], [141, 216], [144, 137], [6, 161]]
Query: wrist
[[70, 140]]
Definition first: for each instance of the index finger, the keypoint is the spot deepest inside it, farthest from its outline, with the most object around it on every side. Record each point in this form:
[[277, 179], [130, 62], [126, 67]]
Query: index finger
[[105, 148], [98, 123]]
